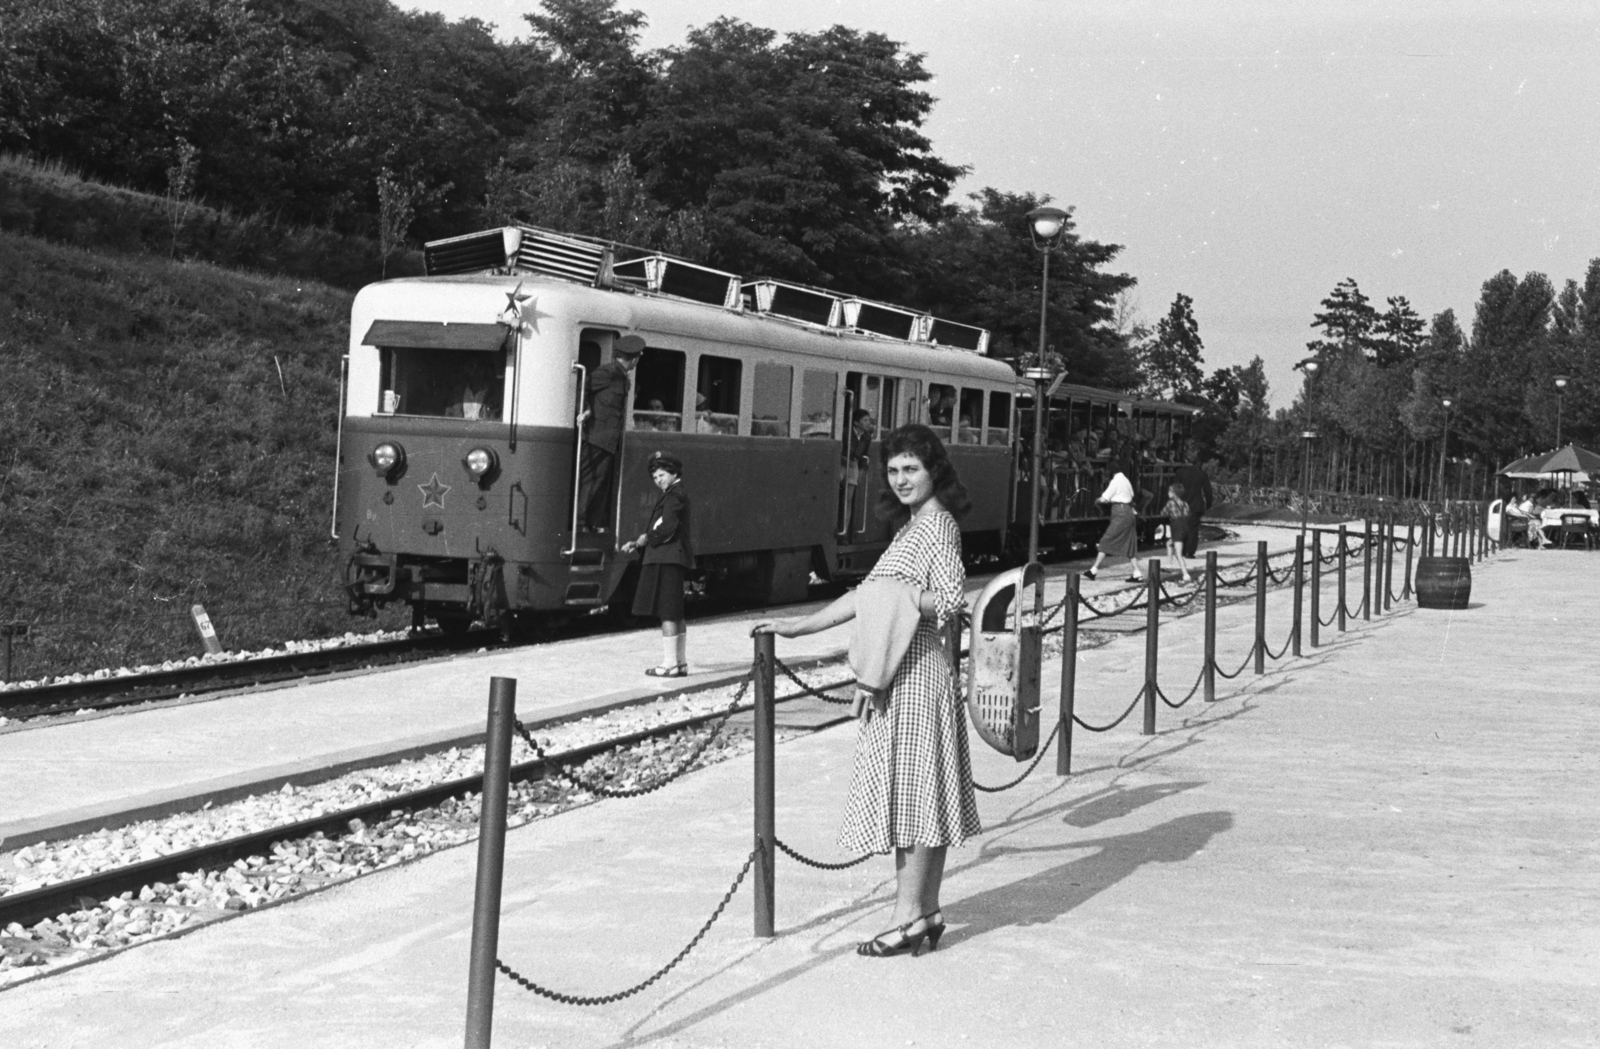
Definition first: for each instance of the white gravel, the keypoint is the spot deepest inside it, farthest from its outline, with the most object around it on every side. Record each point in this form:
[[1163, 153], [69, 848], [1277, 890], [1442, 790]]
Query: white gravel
[[98, 928]]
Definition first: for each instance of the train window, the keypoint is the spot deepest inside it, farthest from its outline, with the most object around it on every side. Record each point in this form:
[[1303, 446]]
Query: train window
[[969, 422], [771, 401], [909, 397], [817, 392], [658, 390], [458, 384], [716, 399], [941, 408], [999, 431]]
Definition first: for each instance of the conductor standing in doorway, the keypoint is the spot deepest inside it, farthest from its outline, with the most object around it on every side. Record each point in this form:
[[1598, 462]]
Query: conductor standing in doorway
[[608, 400], [1197, 493]]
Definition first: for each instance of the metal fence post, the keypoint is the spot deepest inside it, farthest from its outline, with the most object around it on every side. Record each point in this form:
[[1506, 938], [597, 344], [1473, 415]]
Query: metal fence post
[[1344, 569], [1316, 588], [1411, 542], [491, 861], [1210, 671], [1388, 564], [766, 790], [1152, 621], [1069, 675], [1299, 591], [1366, 571], [1261, 606]]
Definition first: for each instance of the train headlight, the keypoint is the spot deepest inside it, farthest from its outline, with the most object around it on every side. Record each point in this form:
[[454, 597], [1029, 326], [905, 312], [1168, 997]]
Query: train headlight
[[482, 464], [388, 460]]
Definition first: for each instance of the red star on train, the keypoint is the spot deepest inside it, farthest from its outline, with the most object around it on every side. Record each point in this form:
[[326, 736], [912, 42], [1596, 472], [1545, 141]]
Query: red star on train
[[433, 492]]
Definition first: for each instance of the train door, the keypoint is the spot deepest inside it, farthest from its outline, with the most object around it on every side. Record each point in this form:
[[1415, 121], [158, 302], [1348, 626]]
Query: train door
[[877, 404]]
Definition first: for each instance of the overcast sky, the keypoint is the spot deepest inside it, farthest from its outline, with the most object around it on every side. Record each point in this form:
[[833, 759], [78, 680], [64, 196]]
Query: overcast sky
[[1252, 154]]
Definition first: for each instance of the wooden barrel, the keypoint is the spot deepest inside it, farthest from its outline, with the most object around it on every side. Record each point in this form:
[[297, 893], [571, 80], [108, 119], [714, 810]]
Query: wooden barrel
[[1443, 582]]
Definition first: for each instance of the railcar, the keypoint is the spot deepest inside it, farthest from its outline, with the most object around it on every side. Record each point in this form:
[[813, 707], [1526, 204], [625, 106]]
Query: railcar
[[461, 427]]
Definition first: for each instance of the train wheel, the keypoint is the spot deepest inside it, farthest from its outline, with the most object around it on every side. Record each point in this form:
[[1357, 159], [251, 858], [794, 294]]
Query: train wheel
[[454, 624]]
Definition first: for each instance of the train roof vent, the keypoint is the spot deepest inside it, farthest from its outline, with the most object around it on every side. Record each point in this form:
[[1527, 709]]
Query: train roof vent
[[680, 279], [961, 336], [796, 301], [558, 255], [489, 249], [875, 318]]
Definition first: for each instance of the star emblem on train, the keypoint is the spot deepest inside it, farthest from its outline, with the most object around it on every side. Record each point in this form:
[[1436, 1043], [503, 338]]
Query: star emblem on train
[[519, 317], [433, 492]]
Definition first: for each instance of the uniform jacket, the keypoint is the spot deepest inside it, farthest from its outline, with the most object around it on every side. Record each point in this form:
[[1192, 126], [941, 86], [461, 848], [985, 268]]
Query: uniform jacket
[[667, 541], [1196, 488], [608, 399]]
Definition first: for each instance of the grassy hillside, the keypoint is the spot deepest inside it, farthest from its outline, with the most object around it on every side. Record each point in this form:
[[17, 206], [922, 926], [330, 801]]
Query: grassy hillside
[[47, 200], [166, 438]]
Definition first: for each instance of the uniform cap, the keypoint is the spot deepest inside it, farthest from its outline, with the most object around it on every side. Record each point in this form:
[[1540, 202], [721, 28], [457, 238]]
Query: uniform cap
[[668, 462], [628, 346]]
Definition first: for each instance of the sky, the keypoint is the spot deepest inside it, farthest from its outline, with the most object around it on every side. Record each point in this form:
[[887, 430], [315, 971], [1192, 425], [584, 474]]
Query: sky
[[1253, 154]]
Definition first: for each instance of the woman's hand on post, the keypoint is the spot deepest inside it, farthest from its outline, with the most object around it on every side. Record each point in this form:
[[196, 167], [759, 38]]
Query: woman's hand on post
[[780, 627]]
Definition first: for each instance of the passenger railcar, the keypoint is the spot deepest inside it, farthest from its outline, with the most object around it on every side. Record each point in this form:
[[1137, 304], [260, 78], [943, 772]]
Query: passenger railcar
[[461, 431]]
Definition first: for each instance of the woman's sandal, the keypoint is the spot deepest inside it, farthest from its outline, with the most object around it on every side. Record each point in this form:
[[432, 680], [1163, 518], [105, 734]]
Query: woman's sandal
[[681, 670], [910, 944], [1089, 573]]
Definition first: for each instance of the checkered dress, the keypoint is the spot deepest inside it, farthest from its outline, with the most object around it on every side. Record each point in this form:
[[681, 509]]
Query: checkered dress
[[912, 781]]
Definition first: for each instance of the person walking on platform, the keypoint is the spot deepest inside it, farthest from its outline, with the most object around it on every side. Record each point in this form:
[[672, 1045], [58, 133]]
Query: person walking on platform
[[608, 400], [668, 554], [911, 784], [1197, 493], [1121, 538], [1177, 514]]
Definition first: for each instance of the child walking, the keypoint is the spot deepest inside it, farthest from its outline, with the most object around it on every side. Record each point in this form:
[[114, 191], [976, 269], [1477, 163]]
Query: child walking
[[1177, 513]]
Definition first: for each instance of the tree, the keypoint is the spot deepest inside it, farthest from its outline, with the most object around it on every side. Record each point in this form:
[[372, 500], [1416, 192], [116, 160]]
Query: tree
[[1509, 333], [1170, 360], [1347, 321], [978, 266], [1397, 334]]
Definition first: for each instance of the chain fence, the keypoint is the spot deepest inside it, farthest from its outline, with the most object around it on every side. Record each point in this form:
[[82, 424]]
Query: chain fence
[[607, 999]]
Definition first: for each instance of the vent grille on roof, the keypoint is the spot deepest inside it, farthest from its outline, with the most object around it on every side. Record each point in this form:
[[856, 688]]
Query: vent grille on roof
[[472, 253], [877, 319], [550, 253], [681, 279], [961, 336], [796, 302]]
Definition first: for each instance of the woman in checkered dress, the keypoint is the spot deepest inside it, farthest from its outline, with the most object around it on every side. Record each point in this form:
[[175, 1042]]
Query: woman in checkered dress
[[911, 788]]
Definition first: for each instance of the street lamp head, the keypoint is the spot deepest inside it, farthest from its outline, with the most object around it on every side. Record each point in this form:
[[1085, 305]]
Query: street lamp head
[[1311, 366], [1447, 402], [1309, 435], [1561, 382], [1046, 225]]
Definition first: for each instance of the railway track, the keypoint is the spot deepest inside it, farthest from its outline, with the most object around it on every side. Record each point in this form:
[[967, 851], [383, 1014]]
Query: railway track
[[104, 693], [35, 905]]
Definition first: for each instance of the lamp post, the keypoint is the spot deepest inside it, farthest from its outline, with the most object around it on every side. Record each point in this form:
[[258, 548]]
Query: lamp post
[[1561, 396], [1444, 441], [1305, 479], [1046, 226]]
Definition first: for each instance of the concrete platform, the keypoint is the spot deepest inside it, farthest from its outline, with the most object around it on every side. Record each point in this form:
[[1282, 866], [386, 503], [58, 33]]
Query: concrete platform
[[1388, 842], [86, 773]]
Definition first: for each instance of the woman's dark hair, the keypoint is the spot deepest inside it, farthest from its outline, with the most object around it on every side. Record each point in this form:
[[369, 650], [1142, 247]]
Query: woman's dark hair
[[916, 439]]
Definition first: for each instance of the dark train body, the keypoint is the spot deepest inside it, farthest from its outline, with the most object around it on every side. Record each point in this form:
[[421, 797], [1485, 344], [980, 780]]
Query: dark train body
[[752, 386]]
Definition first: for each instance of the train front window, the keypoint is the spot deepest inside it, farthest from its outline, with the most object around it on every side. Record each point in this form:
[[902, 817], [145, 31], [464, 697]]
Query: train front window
[[999, 418], [658, 390], [817, 394], [716, 399], [447, 384]]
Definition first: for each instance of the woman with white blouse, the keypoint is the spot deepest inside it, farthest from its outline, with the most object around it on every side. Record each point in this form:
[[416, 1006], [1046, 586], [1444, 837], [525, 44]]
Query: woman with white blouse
[[1121, 538]]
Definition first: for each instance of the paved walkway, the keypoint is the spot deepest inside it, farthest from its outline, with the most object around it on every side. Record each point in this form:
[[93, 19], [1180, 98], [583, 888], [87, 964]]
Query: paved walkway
[[1389, 842], [89, 772]]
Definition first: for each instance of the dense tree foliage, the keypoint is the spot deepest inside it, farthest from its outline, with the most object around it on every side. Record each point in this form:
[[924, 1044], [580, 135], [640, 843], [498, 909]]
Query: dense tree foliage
[[800, 156]]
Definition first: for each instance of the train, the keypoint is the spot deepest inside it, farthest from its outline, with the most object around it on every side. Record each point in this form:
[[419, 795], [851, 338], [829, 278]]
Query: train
[[771, 393]]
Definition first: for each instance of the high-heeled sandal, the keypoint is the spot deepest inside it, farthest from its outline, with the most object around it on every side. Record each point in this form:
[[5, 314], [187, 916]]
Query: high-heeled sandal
[[907, 944], [680, 670]]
